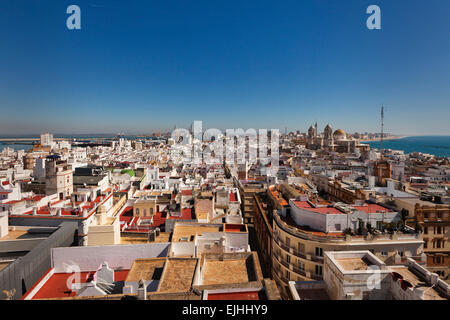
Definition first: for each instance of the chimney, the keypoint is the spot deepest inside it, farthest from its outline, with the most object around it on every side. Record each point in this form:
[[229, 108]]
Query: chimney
[[84, 213], [59, 212], [142, 290], [34, 211]]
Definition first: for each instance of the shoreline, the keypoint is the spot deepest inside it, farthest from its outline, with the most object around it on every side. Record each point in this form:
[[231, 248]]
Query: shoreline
[[384, 139]]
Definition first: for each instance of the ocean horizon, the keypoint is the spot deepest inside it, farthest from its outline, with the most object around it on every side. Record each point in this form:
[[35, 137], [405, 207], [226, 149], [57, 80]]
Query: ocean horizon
[[435, 145]]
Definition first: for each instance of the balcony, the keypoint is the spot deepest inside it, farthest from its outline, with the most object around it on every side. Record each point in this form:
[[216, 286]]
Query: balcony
[[289, 266], [299, 271], [297, 253], [315, 277], [316, 258]]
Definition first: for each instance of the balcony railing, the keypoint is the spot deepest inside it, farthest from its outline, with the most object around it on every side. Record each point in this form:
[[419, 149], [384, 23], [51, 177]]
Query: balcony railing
[[317, 258], [299, 271], [288, 265], [297, 253], [315, 276]]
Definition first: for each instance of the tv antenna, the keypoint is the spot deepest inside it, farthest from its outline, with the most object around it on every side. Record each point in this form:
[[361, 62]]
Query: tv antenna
[[382, 132]]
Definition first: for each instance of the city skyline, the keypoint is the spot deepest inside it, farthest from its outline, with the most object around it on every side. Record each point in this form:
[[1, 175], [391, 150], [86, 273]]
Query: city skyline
[[148, 67]]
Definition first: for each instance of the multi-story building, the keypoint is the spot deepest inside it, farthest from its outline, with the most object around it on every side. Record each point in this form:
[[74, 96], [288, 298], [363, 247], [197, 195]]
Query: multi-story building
[[46, 139], [58, 177], [306, 231], [264, 235], [359, 275], [434, 220], [247, 189]]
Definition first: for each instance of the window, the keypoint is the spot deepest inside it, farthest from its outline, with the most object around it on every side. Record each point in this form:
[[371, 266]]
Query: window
[[319, 252], [318, 270], [151, 211], [301, 265], [401, 253], [137, 211], [438, 230], [145, 212], [337, 226], [301, 247], [288, 258], [379, 225], [384, 253], [288, 275], [438, 260], [425, 243], [438, 243], [425, 230]]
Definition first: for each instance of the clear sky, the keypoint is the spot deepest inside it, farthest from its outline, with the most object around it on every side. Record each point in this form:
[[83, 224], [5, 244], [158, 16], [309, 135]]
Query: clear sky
[[141, 66]]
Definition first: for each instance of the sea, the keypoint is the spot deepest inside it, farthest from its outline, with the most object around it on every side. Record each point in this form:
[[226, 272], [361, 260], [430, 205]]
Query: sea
[[436, 145], [25, 145]]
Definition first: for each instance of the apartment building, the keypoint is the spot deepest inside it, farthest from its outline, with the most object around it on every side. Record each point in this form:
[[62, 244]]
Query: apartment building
[[305, 232]]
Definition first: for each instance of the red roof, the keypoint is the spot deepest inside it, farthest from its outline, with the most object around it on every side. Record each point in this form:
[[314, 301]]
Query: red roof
[[56, 286], [323, 210], [12, 201], [251, 295], [233, 196], [371, 208], [302, 204], [186, 192], [186, 214], [233, 227], [326, 210], [35, 198], [5, 183]]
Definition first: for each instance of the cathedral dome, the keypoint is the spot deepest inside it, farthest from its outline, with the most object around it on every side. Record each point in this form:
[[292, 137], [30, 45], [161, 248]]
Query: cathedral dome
[[339, 134]]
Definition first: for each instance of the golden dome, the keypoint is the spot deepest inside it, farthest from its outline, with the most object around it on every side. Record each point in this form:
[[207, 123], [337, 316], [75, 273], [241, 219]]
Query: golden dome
[[339, 132]]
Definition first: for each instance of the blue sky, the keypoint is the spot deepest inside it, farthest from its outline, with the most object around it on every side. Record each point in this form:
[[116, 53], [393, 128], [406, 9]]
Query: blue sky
[[142, 66]]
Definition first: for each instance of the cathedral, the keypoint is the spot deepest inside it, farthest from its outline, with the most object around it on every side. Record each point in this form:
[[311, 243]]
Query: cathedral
[[332, 141]]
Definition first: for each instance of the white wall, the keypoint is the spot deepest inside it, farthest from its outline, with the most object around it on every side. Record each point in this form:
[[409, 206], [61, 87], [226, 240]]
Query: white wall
[[118, 256], [3, 225], [182, 249]]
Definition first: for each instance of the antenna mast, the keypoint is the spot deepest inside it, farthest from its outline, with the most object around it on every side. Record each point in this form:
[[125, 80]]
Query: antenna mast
[[382, 133]]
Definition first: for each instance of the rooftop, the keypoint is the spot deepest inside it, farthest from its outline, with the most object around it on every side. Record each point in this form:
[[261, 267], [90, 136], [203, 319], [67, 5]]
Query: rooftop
[[147, 269], [178, 275], [417, 281], [353, 263], [56, 285], [187, 231], [225, 271], [21, 233]]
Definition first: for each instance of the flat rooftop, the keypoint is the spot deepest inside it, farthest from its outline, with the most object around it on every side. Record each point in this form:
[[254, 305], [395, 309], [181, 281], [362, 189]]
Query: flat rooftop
[[140, 238], [203, 207], [354, 263], [313, 294], [178, 275], [28, 233], [417, 282], [147, 269], [56, 286], [225, 271], [188, 231]]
